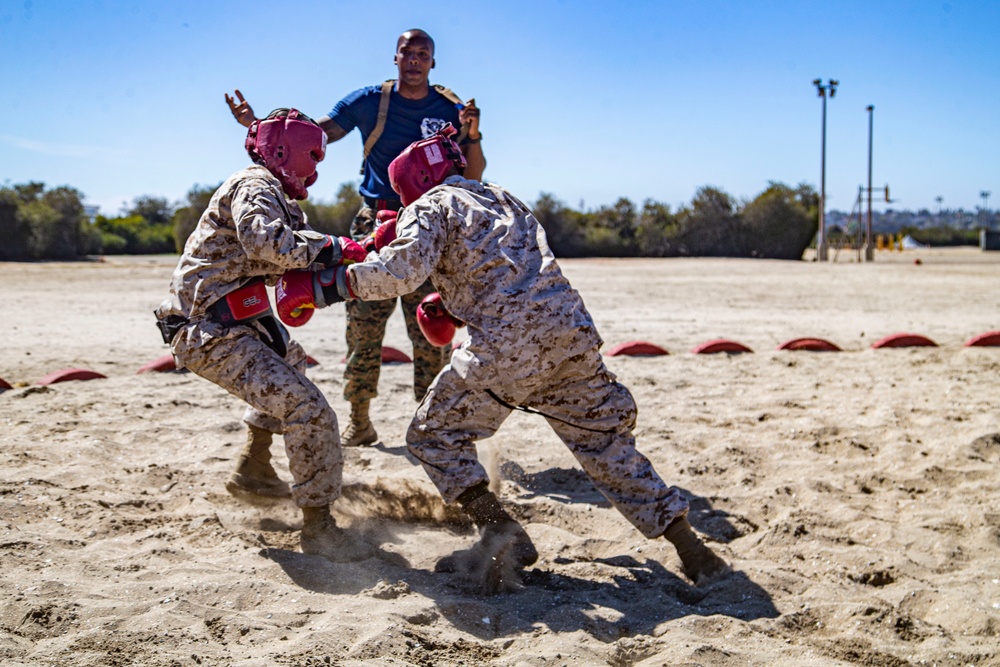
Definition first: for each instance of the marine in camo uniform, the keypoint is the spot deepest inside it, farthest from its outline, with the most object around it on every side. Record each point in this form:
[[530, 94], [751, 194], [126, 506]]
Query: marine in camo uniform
[[251, 233], [532, 345], [416, 111]]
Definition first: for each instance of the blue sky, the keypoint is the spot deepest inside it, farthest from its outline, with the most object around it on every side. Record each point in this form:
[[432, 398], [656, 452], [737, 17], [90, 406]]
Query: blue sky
[[588, 101]]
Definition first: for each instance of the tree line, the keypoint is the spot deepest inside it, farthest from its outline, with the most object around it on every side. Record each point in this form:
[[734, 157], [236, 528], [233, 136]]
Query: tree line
[[780, 223], [37, 223]]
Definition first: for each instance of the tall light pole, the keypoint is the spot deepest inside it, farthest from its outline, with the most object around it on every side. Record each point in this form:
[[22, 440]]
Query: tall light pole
[[869, 250], [821, 249]]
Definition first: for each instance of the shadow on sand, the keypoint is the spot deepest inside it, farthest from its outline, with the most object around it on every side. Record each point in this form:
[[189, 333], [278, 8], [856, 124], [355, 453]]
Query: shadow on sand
[[608, 598]]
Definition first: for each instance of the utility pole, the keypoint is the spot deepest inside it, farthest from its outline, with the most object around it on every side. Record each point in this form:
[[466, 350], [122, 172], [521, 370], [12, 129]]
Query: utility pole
[[869, 250], [985, 194], [821, 89]]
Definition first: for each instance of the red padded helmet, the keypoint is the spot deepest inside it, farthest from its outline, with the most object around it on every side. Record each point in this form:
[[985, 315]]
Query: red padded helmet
[[290, 144], [424, 164]]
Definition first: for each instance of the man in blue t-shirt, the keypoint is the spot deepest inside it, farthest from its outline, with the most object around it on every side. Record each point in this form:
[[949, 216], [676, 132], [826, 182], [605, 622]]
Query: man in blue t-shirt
[[416, 111]]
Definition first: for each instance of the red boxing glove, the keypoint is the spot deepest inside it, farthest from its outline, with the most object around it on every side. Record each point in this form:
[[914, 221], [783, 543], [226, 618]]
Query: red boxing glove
[[385, 215], [385, 232], [296, 297], [351, 251], [340, 250], [436, 323]]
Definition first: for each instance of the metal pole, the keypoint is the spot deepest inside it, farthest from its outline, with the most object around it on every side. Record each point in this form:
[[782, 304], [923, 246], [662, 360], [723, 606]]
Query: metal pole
[[821, 253], [821, 245], [869, 250]]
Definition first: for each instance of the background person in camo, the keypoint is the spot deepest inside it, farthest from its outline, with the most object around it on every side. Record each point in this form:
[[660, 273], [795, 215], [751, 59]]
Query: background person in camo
[[532, 345], [416, 110], [218, 321]]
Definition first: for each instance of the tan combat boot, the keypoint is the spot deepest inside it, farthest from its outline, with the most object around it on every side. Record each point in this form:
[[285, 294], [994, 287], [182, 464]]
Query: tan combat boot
[[360, 432], [321, 536], [254, 473], [497, 528], [700, 564]]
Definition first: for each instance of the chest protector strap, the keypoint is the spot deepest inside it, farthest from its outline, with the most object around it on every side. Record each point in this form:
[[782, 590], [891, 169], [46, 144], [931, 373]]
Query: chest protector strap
[[243, 304], [246, 304]]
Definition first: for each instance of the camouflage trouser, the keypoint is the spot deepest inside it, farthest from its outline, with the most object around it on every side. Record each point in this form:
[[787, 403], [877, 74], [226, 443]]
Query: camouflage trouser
[[281, 400], [597, 413], [366, 321]]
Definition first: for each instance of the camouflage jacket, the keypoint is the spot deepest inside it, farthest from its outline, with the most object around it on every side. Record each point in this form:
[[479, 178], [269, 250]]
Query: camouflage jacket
[[489, 259], [248, 230]]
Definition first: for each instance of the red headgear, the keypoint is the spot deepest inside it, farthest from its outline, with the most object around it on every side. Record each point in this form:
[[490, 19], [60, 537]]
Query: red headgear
[[290, 145], [424, 164]]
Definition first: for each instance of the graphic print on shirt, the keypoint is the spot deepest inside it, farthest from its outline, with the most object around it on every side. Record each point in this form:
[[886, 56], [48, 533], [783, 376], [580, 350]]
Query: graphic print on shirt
[[430, 126]]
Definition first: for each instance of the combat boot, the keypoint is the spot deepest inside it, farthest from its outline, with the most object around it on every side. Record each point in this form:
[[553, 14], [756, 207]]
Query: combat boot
[[496, 527], [254, 472], [360, 432], [699, 563], [321, 536]]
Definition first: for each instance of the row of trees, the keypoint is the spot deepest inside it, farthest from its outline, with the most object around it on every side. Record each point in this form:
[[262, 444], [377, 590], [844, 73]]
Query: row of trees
[[36, 223], [780, 223]]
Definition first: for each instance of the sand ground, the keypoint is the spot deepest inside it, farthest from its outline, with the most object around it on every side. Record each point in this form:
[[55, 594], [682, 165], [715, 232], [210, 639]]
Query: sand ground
[[855, 492]]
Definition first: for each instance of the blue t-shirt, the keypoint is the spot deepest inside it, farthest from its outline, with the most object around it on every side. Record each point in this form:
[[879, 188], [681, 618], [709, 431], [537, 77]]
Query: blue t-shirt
[[406, 122]]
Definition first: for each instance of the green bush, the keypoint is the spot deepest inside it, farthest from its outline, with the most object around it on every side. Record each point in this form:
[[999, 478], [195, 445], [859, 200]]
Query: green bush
[[777, 224], [140, 237], [14, 229], [112, 244], [40, 225], [943, 236]]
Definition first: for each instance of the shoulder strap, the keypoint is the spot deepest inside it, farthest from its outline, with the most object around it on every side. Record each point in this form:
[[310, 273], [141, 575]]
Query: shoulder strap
[[456, 100], [448, 94], [383, 112]]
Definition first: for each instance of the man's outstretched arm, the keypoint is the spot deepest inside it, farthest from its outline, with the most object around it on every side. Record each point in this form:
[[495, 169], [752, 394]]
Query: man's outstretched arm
[[333, 131], [244, 115], [241, 110]]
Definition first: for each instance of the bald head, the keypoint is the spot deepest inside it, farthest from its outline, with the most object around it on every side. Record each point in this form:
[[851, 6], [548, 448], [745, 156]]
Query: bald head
[[415, 35]]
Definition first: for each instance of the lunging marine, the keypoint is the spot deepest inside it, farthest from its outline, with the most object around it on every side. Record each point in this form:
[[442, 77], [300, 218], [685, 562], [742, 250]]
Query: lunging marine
[[532, 345]]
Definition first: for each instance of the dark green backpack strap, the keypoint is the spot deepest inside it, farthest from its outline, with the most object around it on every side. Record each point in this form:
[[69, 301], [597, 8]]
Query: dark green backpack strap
[[383, 112]]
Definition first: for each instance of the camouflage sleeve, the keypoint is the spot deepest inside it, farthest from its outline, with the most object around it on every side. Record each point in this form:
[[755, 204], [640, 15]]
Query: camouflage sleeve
[[264, 228], [421, 232]]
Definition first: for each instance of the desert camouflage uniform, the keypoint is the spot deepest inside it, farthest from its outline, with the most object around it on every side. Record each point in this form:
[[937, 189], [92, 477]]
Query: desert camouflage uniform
[[366, 322], [250, 230], [531, 343]]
